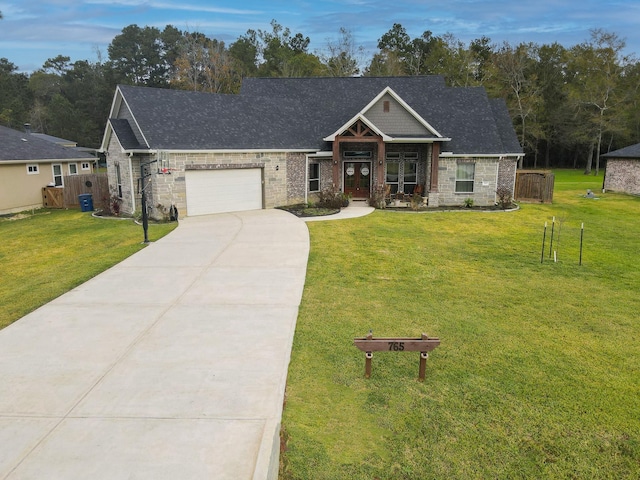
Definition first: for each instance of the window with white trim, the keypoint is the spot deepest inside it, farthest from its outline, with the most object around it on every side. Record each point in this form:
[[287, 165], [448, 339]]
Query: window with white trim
[[118, 181], [33, 169], [73, 169], [86, 166], [410, 177], [392, 175], [314, 177], [57, 175], [465, 174]]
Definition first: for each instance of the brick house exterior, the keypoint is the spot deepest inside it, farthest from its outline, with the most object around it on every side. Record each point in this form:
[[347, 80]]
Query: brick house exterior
[[622, 173], [285, 140]]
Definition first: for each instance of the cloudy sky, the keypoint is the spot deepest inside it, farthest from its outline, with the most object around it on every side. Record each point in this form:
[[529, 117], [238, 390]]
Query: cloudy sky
[[34, 30]]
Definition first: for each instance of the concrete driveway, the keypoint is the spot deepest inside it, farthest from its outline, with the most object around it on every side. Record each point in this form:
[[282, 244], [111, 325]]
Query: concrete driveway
[[170, 365]]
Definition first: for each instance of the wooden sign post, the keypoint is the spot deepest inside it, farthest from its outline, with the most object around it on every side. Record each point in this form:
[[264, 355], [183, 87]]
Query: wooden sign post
[[423, 345]]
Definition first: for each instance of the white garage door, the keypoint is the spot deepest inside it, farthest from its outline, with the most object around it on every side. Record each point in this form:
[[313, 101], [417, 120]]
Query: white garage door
[[219, 191]]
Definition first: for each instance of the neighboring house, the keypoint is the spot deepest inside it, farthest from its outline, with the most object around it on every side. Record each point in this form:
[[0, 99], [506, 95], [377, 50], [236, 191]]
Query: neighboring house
[[29, 163], [282, 140], [622, 173]]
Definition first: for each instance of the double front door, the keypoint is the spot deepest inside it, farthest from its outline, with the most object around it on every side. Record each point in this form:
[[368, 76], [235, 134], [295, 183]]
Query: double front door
[[357, 179]]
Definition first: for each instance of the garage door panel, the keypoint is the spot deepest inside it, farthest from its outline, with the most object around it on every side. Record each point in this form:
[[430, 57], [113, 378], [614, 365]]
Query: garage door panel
[[219, 191]]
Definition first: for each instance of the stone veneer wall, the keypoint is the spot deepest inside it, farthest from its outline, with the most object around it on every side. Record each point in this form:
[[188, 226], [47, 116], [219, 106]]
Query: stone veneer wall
[[507, 174], [279, 171], [326, 176], [117, 157], [296, 178], [485, 179], [623, 175]]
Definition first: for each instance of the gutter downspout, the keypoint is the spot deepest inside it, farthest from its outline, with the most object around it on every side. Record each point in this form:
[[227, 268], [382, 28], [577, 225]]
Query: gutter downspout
[[133, 197], [306, 178]]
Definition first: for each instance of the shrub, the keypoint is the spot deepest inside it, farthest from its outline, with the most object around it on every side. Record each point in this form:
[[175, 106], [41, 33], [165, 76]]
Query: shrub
[[332, 197], [468, 203], [416, 201]]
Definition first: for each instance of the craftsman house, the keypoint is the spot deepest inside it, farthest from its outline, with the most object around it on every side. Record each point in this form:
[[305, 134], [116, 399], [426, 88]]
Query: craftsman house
[[622, 173], [283, 140], [29, 162]]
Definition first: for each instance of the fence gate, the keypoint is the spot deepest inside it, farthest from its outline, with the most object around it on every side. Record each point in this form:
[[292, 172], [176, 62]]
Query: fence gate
[[52, 197], [534, 186]]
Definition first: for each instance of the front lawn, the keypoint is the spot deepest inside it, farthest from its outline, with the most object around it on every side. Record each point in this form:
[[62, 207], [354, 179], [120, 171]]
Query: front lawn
[[538, 372], [50, 252]]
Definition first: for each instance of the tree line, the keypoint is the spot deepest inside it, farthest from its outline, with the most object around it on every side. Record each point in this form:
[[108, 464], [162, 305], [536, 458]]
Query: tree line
[[568, 104]]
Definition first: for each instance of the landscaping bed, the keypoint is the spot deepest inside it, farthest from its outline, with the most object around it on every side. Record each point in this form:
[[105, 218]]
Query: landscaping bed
[[305, 210]]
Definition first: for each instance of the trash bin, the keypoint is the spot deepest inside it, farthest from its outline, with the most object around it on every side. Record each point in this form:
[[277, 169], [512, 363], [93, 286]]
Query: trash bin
[[86, 202]]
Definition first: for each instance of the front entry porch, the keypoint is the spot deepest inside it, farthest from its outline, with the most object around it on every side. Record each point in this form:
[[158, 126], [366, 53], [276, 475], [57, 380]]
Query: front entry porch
[[357, 179]]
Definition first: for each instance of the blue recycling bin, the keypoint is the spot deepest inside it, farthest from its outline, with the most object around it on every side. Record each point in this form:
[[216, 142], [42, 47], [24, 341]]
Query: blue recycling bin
[[86, 202]]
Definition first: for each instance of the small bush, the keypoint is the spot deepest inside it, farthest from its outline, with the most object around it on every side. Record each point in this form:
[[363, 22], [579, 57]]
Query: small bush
[[332, 197], [468, 203], [416, 201]]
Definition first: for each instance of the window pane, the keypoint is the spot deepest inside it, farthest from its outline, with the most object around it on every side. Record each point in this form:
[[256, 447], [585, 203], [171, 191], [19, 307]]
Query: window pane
[[393, 169], [314, 177], [465, 171], [410, 172], [463, 186]]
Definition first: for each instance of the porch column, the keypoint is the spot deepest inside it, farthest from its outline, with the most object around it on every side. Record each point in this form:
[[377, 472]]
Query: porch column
[[336, 162], [435, 164], [433, 184], [382, 153]]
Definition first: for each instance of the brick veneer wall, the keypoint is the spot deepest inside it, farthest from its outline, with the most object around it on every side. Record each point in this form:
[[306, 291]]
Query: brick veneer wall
[[280, 170], [623, 175], [507, 173]]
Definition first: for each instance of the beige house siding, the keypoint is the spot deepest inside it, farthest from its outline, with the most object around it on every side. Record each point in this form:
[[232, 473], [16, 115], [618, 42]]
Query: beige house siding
[[396, 120], [20, 190], [623, 175]]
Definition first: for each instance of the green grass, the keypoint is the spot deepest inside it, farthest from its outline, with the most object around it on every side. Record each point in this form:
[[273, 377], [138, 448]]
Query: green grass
[[538, 372], [46, 254]]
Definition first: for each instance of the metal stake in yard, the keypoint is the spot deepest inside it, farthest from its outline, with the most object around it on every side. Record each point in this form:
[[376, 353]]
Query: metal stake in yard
[[544, 236], [553, 226], [581, 237]]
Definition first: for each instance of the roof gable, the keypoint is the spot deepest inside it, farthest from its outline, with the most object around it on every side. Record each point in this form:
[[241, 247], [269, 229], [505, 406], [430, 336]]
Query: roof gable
[[374, 115]]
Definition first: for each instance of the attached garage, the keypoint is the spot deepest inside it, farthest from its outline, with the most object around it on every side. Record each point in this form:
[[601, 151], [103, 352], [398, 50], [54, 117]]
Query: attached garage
[[223, 190]]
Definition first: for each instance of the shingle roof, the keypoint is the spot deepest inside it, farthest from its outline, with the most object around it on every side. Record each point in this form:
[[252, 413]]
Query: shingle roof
[[20, 146], [632, 151], [124, 132], [285, 113]]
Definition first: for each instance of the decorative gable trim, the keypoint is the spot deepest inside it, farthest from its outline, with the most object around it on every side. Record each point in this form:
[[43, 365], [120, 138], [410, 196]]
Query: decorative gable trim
[[353, 123], [361, 116]]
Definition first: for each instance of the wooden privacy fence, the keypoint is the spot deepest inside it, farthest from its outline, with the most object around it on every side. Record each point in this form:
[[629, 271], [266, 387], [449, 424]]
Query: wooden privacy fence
[[96, 184], [534, 186]]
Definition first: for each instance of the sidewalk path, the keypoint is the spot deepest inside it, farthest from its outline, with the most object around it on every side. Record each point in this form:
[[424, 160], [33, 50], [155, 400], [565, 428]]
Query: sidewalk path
[[170, 365]]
